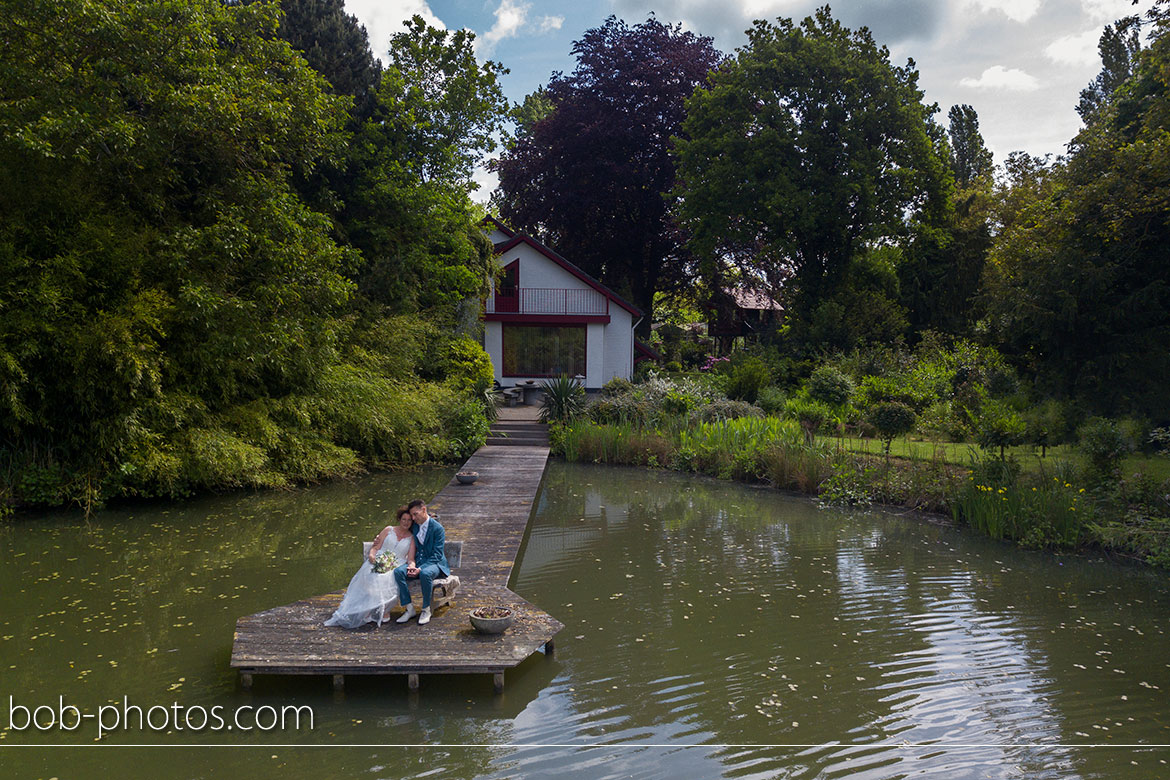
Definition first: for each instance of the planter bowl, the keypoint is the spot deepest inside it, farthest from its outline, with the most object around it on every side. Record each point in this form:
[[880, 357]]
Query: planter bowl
[[491, 625], [467, 477]]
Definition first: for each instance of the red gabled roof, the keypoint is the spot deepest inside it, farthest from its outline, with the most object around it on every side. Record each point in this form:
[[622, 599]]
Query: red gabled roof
[[520, 238], [500, 226], [646, 352]]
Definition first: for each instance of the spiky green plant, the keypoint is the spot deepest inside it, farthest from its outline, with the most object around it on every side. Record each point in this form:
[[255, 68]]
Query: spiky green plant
[[563, 400]]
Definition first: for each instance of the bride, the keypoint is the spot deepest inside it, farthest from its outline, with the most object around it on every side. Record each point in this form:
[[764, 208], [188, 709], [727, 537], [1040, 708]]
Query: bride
[[371, 595]]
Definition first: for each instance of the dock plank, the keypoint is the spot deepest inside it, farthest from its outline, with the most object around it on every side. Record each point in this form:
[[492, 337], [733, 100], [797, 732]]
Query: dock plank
[[490, 518]]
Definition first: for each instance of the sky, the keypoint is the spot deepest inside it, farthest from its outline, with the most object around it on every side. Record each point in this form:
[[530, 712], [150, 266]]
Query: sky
[[1020, 63]]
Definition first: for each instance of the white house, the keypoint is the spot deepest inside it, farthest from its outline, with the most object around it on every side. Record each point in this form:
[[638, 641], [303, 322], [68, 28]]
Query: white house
[[547, 317]]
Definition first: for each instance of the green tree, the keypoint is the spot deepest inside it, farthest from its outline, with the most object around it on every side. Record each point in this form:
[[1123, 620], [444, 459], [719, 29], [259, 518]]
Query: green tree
[[805, 150], [155, 263], [1119, 46], [970, 158], [941, 274], [1079, 278], [335, 44], [891, 419], [536, 106], [411, 216]]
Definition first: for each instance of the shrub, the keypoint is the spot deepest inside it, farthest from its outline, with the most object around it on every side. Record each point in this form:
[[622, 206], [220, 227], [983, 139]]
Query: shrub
[[771, 399], [218, 459], [938, 420], [617, 387], [848, 484], [1046, 425], [999, 426], [37, 484], [714, 411], [1103, 444], [677, 403], [891, 419], [874, 390], [464, 426], [564, 400], [829, 386], [619, 410], [812, 415], [666, 400], [467, 367], [1137, 431], [747, 377]]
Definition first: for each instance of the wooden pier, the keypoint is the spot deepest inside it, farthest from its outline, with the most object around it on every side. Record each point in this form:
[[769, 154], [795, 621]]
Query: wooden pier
[[490, 518]]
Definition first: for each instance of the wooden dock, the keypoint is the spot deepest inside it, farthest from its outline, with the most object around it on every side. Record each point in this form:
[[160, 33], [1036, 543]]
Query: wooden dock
[[490, 518]]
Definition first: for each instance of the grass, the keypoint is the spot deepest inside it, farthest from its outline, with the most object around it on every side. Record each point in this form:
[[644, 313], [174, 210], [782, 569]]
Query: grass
[[1156, 467]]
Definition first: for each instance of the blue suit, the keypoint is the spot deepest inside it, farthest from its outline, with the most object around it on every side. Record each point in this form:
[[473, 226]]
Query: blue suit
[[431, 562]]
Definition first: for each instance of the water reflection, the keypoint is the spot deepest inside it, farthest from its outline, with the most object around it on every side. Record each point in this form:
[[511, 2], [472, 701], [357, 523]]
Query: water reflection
[[717, 615], [709, 618]]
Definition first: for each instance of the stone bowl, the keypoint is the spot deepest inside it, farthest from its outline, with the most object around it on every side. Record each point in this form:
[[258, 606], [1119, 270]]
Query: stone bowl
[[467, 477], [494, 620]]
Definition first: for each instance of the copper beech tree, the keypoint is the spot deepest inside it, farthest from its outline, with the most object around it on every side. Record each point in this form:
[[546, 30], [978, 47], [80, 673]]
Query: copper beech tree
[[591, 159]]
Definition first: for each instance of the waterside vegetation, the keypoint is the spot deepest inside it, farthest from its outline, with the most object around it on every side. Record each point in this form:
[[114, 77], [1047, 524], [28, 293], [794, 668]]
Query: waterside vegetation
[[223, 265], [1076, 499]]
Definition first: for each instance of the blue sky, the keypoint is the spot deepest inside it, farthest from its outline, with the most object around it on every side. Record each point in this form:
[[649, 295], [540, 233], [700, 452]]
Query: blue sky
[[1020, 63]]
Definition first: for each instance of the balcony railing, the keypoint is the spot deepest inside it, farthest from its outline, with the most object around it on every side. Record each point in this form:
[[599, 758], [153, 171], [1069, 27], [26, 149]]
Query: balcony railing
[[548, 300]]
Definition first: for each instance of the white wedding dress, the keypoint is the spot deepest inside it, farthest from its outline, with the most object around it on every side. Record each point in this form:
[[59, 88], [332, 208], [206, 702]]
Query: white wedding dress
[[371, 595]]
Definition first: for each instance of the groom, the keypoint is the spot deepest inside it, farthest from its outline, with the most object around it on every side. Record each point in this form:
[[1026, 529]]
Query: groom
[[430, 562]]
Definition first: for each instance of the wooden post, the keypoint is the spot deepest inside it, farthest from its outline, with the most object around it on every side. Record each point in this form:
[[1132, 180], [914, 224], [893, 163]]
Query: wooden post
[[246, 681], [339, 682], [412, 682], [549, 649], [498, 682]]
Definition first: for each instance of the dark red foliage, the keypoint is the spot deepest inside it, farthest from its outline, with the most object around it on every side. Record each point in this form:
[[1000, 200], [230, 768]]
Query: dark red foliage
[[588, 178]]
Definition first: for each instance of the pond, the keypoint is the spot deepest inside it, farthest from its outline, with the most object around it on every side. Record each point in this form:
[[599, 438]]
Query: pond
[[712, 630]]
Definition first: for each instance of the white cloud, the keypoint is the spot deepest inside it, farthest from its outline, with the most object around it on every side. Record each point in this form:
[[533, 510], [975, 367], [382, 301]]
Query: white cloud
[[1016, 10], [999, 77], [486, 181], [549, 23], [384, 18], [510, 18], [1110, 10], [1079, 49]]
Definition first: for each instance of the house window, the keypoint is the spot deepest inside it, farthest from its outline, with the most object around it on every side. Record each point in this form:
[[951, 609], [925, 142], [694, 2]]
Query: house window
[[540, 350]]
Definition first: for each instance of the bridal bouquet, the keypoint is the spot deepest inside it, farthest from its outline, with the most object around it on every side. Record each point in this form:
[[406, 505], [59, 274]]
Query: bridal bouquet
[[385, 562]]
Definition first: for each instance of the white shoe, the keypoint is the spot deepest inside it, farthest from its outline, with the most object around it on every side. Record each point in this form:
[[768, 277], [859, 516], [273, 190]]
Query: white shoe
[[408, 614], [424, 617]]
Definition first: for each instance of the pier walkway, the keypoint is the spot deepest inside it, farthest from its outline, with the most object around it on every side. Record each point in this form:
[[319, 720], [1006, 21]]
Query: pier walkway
[[490, 518]]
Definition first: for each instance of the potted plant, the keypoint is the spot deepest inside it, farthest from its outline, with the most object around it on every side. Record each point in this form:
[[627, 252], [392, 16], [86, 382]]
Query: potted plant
[[491, 620]]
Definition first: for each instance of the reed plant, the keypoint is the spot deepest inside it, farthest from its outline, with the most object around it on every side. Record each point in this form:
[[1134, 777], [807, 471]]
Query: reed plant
[[1047, 512], [801, 467], [619, 444], [733, 449]]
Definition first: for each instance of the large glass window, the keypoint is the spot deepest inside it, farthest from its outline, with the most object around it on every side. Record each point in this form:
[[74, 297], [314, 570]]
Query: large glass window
[[537, 350]]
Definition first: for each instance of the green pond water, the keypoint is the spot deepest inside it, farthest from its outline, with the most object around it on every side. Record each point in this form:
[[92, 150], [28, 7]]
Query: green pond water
[[711, 630]]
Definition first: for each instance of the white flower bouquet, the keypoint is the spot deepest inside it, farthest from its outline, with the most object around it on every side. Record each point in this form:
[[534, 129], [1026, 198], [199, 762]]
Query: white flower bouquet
[[385, 562]]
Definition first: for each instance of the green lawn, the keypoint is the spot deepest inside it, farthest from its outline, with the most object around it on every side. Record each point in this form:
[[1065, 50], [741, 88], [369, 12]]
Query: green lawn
[[960, 454]]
